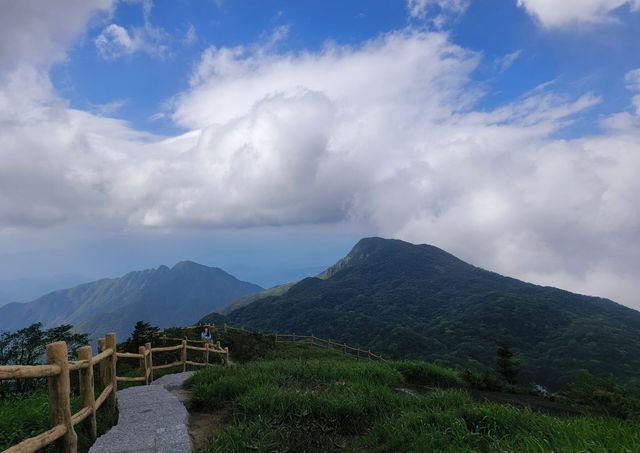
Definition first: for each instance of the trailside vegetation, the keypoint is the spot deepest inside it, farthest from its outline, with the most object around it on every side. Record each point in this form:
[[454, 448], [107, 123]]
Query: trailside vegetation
[[27, 347], [304, 400]]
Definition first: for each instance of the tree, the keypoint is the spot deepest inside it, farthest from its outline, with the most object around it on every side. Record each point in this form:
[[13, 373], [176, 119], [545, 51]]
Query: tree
[[64, 333], [27, 346], [143, 332], [508, 367]]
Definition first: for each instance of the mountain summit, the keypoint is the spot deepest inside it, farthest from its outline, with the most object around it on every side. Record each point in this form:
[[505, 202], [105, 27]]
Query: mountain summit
[[163, 296], [418, 301]]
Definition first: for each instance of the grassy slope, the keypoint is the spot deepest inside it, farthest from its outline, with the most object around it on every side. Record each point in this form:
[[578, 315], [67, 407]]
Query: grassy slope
[[313, 400], [28, 416]]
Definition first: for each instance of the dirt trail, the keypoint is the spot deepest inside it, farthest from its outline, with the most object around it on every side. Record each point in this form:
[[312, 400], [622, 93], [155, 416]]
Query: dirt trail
[[535, 403], [202, 426]]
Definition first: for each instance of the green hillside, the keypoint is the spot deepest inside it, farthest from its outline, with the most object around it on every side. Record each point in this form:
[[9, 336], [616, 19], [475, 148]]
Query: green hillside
[[418, 301]]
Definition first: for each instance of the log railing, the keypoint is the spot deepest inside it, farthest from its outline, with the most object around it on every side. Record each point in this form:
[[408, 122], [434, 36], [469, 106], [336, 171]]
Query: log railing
[[145, 356], [312, 340], [58, 369]]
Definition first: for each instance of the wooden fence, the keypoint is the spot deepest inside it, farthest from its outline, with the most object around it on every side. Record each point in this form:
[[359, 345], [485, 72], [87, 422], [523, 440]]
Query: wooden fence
[[57, 370], [59, 367], [312, 340], [327, 344]]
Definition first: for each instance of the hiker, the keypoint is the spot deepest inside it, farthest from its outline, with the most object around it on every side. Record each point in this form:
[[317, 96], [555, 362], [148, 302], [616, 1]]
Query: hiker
[[206, 335]]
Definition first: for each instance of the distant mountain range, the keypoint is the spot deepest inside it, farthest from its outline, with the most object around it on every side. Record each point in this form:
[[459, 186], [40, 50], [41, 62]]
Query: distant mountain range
[[26, 289], [418, 301], [164, 297]]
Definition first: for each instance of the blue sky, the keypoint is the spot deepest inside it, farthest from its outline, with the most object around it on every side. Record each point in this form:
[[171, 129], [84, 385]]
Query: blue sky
[[266, 137]]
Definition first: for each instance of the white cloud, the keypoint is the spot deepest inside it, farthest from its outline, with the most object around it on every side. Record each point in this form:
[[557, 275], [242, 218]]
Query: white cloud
[[633, 84], [419, 8], [191, 36], [553, 13], [504, 63], [116, 41], [35, 33], [412, 157]]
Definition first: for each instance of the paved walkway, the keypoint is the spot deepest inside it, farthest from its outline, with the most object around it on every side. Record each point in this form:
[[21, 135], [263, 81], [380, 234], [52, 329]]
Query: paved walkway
[[151, 420]]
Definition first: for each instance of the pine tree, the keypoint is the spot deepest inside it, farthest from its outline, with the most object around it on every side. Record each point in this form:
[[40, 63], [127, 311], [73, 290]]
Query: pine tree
[[508, 367], [143, 332]]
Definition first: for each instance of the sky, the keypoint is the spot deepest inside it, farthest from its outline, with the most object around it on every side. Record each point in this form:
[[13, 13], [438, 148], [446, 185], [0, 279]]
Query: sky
[[267, 137]]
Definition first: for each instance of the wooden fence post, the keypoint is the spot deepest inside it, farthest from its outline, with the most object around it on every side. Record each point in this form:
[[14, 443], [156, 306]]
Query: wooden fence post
[[110, 343], [369, 354], [206, 354], [143, 364], [59, 395], [226, 355], [147, 346], [344, 348], [87, 389], [294, 338], [103, 364], [328, 344], [184, 355]]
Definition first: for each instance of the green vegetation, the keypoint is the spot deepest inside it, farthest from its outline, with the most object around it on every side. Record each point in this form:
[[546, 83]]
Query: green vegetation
[[308, 399], [419, 302], [508, 367], [602, 396], [27, 347], [28, 415]]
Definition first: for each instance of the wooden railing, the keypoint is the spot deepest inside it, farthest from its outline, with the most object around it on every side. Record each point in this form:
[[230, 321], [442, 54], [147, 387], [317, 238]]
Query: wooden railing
[[145, 355], [58, 369], [327, 344]]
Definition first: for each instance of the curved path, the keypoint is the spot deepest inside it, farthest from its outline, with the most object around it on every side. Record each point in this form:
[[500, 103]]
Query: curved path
[[151, 420]]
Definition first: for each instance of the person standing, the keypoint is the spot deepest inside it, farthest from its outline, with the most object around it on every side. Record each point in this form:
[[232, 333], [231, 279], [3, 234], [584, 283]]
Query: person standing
[[206, 335]]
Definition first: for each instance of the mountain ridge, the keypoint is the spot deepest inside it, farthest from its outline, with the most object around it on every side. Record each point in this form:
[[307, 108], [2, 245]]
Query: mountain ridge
[[418, 301], [117, 303]]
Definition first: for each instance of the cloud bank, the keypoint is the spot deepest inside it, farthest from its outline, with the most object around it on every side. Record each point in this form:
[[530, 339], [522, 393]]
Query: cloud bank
[[553, 13], [387, 132]]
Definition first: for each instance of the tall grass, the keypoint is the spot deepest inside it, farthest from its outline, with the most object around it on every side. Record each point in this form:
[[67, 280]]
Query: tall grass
[[28, 415]]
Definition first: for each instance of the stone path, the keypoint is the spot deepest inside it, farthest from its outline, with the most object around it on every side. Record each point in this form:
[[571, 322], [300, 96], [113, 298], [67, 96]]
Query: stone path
[[151, 420]]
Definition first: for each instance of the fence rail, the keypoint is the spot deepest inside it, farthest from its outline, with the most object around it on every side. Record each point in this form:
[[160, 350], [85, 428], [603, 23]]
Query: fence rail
[[58, 369], [312, 340], [327, 344]]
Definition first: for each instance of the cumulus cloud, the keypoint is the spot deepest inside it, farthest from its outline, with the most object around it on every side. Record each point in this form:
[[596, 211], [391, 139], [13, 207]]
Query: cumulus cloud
[[402, 147], [52, 157], [37, 33], [552, 13]]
